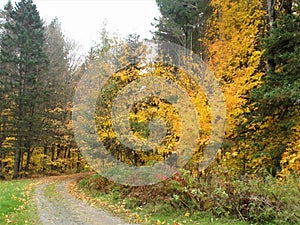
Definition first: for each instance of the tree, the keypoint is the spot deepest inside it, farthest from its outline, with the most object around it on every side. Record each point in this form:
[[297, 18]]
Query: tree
[[129, 53], [59, 81], [274, 105], [234, 55], [5, 122], [183, 22], [24, 61]]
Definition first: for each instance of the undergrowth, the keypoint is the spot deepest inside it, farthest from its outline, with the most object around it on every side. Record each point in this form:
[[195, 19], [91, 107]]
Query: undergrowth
[[184, 199]]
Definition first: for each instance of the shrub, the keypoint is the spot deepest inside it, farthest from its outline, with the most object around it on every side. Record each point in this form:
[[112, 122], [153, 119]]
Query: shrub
[[253, 198]]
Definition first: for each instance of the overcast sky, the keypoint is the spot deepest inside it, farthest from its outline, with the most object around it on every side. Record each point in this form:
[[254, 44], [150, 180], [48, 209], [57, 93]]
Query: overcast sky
[[82, 19]]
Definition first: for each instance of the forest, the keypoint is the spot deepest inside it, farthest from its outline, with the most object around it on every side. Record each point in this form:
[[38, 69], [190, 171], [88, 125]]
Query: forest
[[251, 46]]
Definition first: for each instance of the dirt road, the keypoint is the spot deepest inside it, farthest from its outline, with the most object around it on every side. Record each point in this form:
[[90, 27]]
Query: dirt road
[[57, 206]]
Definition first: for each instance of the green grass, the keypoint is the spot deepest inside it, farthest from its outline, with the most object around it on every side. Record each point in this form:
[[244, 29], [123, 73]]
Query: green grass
[[17, 204]]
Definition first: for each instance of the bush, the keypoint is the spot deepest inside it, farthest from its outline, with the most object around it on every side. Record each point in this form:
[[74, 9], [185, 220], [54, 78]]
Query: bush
[[255, 199], [252, 198]]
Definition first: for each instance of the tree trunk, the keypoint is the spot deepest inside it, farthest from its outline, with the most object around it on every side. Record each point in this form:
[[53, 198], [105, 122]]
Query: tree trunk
[[29, 153], [69, 151], [58, 151], [45, 149], [287, 6], [271, 13], [52, 152], [65, 151], [17, 159], [271, 65], [2, 161]]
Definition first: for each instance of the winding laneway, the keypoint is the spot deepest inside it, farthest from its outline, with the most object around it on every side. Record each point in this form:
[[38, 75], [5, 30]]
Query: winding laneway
[[63, 208]]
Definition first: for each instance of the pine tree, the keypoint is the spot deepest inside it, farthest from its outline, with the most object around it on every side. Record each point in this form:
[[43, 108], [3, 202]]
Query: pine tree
[[59, 80], [24, 62], [274, 106], [183, 22], [6, 122]]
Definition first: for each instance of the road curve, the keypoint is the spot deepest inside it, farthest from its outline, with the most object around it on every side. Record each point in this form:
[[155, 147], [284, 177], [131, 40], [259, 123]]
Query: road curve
[[63, 208]]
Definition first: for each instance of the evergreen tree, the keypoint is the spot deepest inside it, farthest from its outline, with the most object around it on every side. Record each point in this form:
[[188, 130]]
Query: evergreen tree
[[183, 22], [4, 89], [59, 81], [271, 121], [23, 63]]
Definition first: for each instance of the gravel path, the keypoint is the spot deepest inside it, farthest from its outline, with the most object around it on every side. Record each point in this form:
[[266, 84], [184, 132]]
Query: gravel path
[[63, 208]]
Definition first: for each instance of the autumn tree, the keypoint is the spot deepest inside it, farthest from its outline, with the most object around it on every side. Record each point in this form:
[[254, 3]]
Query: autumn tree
[[274, 110], [123, 54], [255, 54], [234, 55], [129, 53]]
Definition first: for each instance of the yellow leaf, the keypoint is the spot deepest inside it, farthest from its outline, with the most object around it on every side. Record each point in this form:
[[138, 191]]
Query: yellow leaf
[[187, 214]]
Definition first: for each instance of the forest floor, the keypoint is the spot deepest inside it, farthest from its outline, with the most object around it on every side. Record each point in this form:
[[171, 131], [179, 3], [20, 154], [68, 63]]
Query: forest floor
[[56, 204]]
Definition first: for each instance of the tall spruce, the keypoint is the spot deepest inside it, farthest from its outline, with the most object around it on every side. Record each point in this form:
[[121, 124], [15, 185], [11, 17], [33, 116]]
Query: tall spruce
[[23, 63], [183, 22], [4, 93], [59, 80]]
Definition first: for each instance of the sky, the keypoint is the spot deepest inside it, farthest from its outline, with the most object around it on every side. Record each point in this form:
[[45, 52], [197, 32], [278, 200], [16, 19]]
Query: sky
[[82, 20]]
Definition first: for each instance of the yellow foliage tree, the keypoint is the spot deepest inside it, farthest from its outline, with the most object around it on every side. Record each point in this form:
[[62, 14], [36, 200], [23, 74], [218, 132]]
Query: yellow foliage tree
[[234, 56], [144, 111]]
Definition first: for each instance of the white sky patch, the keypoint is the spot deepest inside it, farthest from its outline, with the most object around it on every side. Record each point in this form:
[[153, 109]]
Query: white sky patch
[[82, 20]]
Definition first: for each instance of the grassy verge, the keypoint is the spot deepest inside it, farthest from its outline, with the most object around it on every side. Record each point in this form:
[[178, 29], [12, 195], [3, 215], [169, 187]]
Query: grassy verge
[[17, 203], [150, 210]]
